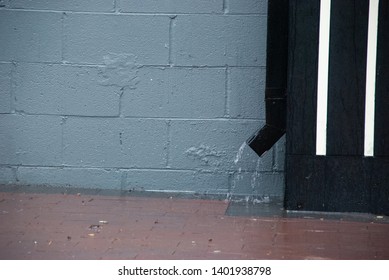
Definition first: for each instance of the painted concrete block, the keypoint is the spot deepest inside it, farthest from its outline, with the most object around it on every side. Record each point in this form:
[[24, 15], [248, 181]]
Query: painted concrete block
[[219, 40], [70, 177], [215, 145], [25, 36], [145, 37], [279, 158], [247, 92], [271, 184], [125, 143], [4, 3], [265, 184], [171, 6], [7, 175], [247, 6], [5, 87], [176, 92], [212, 183], [64, 90], [183, 181], [69, 5], [122, 119], [30, 140]]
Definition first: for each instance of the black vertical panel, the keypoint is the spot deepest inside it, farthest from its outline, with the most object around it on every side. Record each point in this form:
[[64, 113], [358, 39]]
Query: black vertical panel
[[335, 184], [379, 179], [302, 76], [345, 184], [343, 180], [382, 83], [347, 76], [305, 184]]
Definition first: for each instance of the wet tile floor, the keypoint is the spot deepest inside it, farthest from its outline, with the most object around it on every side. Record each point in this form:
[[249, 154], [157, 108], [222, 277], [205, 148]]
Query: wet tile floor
[[94, 226]]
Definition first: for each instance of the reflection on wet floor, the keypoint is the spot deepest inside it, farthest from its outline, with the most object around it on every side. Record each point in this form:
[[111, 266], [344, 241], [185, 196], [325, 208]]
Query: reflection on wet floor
[[88, 224], [275, 209]]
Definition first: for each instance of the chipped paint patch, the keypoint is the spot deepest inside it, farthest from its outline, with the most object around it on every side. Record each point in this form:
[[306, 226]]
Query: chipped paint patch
[[120, 70], [207, 155]]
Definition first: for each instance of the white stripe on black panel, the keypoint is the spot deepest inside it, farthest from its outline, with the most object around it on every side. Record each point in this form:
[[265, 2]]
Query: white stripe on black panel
[[322, 85], [371, 78]]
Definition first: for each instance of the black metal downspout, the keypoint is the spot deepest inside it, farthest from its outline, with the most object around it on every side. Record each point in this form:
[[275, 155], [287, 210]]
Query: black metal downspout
[[276, 78]]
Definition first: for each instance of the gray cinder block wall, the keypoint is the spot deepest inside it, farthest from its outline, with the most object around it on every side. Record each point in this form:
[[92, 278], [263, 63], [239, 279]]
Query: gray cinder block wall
[[154, 95]]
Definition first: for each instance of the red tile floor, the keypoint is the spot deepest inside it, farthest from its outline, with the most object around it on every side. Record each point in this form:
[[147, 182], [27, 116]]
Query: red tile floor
[[86, 226]]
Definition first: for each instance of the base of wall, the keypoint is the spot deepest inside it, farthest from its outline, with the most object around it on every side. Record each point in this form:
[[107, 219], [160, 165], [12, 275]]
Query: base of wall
[[69, 190]]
